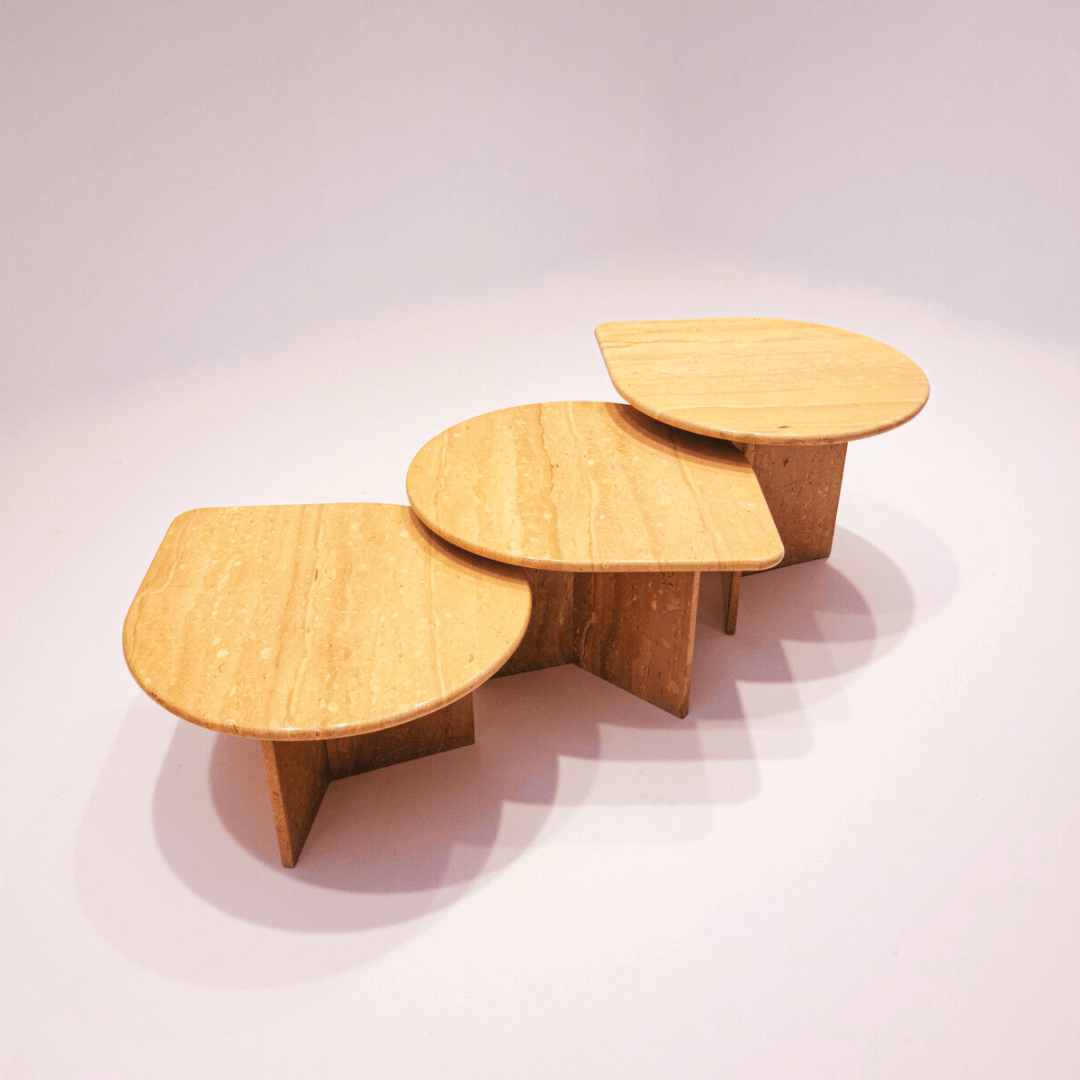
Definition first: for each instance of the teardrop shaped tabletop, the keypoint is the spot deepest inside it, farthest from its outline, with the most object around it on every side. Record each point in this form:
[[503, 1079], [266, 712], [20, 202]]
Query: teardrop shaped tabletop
[[592, 486], [790, 394], [762, 380], [317, 621]]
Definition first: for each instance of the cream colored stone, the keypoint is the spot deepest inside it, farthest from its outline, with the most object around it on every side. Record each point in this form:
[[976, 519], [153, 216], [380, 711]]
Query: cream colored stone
[[592, 486], [762, 380], [317, 622]]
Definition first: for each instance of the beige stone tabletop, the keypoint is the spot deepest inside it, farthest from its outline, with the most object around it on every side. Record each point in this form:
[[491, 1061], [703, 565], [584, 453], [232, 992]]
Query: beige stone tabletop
[[592, 486], [762, 380], [317, 622]]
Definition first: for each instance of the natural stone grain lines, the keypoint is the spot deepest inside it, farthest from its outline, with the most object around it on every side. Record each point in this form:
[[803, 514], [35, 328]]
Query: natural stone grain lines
[[762, 380], [345, 637], [624, 492], [637, 510]]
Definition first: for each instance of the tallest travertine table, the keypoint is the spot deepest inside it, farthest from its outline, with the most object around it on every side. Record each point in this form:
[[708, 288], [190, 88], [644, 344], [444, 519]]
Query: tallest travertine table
[[791, 395]]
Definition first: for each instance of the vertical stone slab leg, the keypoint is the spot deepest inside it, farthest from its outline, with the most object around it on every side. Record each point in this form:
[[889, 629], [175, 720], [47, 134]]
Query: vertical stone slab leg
[[731, 583], [801, 484], [549, 639], [298, 775], [637, 631], [445, 729]]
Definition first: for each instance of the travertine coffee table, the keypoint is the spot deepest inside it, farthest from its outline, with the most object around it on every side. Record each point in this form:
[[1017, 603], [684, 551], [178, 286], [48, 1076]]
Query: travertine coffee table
[[791, 395], [614, 515], [344, 637]]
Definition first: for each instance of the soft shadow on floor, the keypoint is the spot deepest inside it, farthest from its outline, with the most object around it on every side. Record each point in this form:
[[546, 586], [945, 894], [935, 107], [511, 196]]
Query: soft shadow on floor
[[803, 632], [391, 849], [545, 740]]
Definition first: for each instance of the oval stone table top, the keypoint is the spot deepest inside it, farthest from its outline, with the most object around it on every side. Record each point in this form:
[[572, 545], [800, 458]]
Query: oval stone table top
[[317, 622], [762, 380], [592, 486]]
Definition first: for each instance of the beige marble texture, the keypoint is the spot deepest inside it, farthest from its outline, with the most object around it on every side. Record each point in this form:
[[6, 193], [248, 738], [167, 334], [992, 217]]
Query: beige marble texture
[[762, 380], [317, 622], [592, 486]]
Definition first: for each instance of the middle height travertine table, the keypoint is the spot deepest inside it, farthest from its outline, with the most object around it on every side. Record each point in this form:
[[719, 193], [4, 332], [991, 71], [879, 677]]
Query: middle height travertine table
[[614, 516]]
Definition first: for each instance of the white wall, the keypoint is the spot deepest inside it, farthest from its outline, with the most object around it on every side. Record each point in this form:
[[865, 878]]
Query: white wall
[[187, 183], [926, 148]]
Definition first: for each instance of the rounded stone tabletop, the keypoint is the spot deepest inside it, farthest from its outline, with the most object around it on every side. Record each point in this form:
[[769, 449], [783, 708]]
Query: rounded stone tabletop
[[317, 622], [762, 380], [592, 486]]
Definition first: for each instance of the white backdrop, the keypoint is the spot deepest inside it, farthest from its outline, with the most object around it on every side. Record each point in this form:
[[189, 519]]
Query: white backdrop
[[187, 183], [261, 253]]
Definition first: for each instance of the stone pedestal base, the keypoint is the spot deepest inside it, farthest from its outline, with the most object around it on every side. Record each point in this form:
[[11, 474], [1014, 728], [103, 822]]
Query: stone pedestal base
[[634, 630], [298, 773]]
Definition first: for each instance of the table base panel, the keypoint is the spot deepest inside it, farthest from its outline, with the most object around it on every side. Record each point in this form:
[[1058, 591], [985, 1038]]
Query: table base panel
[[634, 630], [731, 585], [298, 773], [801, 484], [637, 631], [549, 638]]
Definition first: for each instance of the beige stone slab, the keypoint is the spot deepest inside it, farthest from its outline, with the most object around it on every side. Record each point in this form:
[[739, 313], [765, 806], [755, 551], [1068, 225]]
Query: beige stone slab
[[802, 487], [592, 486], [637, 632], [549, 640], [634, 630], [316, 622], [762, 380], [297, 775]]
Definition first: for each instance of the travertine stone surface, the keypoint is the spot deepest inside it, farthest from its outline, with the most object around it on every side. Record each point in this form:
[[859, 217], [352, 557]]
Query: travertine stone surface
[[297, 774], [317, 622], [549, 640], [592, 486], [731, 586], [637, 632], [762, 380], [447, 728], [802, 487]]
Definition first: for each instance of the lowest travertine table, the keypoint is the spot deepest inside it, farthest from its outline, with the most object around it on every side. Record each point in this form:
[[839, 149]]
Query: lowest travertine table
[[614, 516], [345, 637], [790, 394]]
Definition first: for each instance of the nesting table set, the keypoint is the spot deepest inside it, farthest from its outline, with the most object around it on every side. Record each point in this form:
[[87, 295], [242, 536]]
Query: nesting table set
[[347, 637]]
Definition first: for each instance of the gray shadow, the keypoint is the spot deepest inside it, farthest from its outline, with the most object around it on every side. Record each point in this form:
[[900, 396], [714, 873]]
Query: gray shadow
[[805, 631], [391, 849], [439, 822]]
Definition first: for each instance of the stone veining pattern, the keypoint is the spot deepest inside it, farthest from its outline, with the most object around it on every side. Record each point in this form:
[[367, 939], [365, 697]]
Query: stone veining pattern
[[304, 622], [592, 486]]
